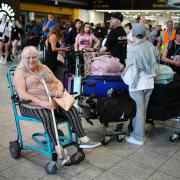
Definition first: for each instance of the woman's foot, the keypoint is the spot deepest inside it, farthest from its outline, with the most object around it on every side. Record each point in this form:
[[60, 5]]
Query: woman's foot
[[89, 144], [132, 140], [65, 157], [62, 155]]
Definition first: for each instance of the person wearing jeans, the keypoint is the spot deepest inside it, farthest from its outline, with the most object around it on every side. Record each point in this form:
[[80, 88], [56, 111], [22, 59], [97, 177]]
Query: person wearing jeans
[[141, 98], [140, 70]]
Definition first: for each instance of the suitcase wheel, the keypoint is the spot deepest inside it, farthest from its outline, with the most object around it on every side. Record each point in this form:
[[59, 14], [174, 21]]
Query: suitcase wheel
[[106, 140], [120, 138], [173, 137]]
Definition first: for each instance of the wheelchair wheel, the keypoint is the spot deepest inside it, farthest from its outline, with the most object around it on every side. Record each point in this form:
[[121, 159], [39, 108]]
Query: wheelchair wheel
[[15, 149], [76, 158], [106, 140], [50, 168]]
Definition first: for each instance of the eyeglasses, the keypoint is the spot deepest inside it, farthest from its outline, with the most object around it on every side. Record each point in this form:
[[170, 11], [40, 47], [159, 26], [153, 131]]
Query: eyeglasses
[[31, 57]]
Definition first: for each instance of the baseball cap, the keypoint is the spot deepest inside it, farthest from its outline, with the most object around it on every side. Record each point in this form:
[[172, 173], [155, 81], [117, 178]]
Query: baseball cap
[[138, 29], [117, 15]]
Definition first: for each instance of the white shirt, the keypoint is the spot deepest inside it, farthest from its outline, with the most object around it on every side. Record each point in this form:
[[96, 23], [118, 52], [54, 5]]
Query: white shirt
[[144, 82], [7, 29]]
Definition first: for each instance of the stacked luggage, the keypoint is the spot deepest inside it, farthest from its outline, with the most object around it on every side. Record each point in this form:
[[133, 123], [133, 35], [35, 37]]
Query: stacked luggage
[[101, 83], [98, 88]]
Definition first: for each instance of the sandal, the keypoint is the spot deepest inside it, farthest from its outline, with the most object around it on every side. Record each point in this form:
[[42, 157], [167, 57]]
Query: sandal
[[62, 155]]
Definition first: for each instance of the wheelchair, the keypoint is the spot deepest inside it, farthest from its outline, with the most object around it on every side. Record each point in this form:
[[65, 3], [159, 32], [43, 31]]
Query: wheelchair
[[42, 140]]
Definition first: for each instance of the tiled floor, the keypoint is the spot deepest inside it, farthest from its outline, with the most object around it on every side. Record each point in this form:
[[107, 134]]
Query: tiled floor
[[158, 159]]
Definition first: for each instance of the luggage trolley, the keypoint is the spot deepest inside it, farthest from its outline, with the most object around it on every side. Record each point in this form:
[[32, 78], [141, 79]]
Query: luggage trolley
[[91, 88], [43, 146]]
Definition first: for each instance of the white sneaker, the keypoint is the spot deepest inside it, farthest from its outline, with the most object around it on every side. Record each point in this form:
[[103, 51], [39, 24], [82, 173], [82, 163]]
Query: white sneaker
[[132, 140], [4, 62], [1, 59]]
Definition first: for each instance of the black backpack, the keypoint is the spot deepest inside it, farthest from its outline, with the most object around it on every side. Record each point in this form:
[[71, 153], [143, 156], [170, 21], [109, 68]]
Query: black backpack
[[116, 108]]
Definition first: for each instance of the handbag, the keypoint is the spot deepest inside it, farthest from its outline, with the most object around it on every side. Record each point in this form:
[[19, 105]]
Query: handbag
[[66, 101], [60, 58], [130, 76]]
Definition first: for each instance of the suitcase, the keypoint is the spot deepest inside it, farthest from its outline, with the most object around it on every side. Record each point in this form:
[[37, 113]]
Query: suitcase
[[60, 73], [116, 108], [164, 102], [100, 85], [69, 82], [163, 112], [166, 93]]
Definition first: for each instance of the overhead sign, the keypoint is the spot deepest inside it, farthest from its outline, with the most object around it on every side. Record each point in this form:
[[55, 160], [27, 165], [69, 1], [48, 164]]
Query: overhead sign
[[135, 4], [6, 9]]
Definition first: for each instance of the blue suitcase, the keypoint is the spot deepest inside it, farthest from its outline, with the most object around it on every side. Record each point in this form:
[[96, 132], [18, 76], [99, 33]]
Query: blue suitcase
[[100, 85]]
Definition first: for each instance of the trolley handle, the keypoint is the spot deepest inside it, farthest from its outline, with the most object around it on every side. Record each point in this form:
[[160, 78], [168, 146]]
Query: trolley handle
[[20, 101]]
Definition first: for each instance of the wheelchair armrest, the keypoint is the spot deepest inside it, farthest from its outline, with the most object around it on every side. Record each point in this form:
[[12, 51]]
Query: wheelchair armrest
[[24, 101], [16, 100]]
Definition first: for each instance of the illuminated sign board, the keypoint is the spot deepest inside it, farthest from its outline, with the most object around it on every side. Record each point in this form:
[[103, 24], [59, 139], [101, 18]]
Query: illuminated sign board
[[134, 4], [6, 9]]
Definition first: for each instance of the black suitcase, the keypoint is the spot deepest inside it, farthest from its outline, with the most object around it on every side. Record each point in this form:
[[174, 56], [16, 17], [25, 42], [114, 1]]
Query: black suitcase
[[168, 93], [60, 73], [163, 112], [164, 102], [117, 108]]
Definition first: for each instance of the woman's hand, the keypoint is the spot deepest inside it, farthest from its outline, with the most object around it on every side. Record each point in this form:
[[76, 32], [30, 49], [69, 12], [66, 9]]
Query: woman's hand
[[65, 49], [47, 105], [176, 62], [59, 93]]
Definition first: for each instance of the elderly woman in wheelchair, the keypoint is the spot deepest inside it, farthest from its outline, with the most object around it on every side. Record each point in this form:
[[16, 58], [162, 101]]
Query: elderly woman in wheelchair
[[28, 84]]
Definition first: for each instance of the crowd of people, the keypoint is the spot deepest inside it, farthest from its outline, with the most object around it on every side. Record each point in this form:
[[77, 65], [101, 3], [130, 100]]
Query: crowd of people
[[137, 46]]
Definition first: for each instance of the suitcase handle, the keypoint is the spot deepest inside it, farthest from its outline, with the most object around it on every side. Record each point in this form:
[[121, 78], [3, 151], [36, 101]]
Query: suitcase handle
[[106, 79], [109, 79], [93, 84]]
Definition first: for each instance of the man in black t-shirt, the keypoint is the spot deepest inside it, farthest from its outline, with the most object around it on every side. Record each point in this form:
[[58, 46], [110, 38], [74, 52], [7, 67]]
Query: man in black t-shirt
[[116, 42]]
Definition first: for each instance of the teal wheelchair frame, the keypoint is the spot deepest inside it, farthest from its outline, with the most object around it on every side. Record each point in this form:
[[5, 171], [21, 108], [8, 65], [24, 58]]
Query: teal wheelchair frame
[[44, 146]]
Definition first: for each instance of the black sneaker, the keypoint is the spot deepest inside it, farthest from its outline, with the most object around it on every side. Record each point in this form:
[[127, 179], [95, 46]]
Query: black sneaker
[[89, 144]]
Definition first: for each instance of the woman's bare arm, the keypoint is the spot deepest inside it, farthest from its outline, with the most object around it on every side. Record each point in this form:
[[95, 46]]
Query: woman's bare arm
[[53, 41], [97, 43], [20, 85], [164, 57]]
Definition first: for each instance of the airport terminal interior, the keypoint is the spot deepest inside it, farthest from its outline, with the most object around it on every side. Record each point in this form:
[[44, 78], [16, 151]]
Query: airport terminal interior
[[23, 157]]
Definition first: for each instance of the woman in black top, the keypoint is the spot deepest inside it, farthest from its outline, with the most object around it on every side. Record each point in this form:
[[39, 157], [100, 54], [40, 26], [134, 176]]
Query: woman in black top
[[171, 54], [70, 41], [53, 47], [15, 37]]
